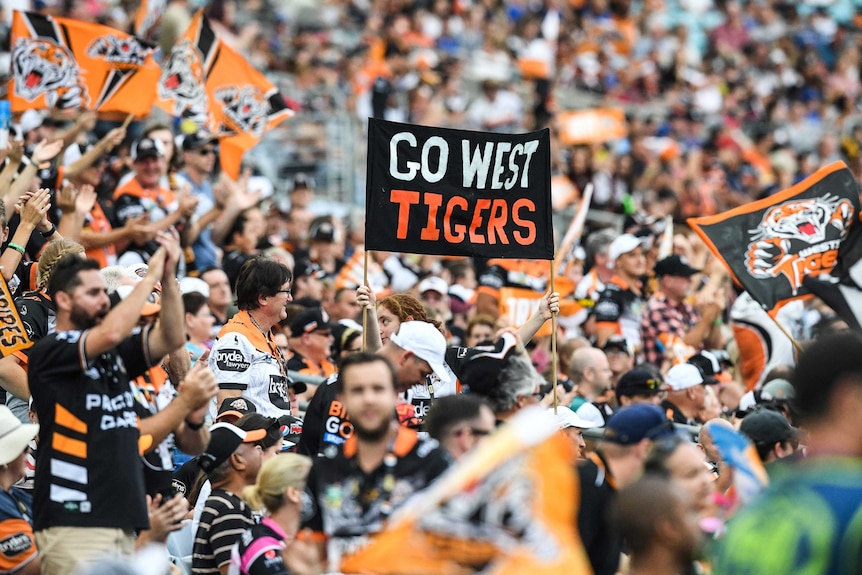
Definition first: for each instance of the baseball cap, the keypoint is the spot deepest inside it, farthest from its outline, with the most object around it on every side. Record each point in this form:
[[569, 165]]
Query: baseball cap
[[637, 382], [225, 438], [197, 140], [296, 385], [766, 426], [151, 306], [637, 422], [566, 418], [426, 343], [708, 364], [309, 320], [434, 283], [481, 365], [14, 435], [190, 284], [617, 342], [675, 266], [236, 407], [301, 180], [683, 376], [322, 231], [147, 148], [778, 390], [291, 429], [306, 267], [622, 245]]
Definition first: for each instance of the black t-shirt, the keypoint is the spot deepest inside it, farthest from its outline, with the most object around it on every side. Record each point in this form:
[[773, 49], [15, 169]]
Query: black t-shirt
[[37, 314], [88, 471], [325, 423], [348, 504], [598, 494], [185, 479]]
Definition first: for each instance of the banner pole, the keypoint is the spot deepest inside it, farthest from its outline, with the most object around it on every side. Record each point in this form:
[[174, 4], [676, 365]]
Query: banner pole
[[783, 329], [365, 309], [553, 341], [127, 121]]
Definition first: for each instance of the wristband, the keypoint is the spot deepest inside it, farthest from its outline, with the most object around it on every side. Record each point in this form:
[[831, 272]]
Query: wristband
[[26, 160], [17, 248], [718, 322], [49, 233], [194, 426]]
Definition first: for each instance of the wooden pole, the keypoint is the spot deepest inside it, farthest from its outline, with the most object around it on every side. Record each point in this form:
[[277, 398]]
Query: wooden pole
[[553, 341], [127, 121], [787, 333], [365, 309]]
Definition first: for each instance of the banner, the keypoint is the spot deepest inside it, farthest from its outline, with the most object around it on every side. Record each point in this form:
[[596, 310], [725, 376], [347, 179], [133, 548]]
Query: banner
[[509, 507], [761, 343], [67, 64], [771, 245], [843, 295], [206, 81], [459, 193], [594, 126], [13, 336], [149, 15]]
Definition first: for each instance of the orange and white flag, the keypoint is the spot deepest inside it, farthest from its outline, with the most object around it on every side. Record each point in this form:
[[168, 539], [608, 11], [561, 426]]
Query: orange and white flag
[[508, 508], [13, 335], [210, 83], [148, 16], [67, 64]]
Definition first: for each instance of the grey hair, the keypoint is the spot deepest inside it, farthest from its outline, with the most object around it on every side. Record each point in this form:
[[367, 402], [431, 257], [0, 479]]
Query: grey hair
[[598, 241], [518, 378], [114, 277]]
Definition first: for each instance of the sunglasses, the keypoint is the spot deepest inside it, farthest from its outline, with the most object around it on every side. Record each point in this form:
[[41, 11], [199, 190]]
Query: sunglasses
[[206, 151]]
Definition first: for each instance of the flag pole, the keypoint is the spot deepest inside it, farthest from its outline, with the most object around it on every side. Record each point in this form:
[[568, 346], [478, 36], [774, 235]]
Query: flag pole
[[365, 309], [127, 121], [553, 341], [784, 330]]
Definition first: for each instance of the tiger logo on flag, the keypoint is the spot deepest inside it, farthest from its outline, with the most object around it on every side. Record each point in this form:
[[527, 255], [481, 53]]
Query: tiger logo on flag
[[246, 110], [44, 68], [182, 82], [799, 238], [119, 52]]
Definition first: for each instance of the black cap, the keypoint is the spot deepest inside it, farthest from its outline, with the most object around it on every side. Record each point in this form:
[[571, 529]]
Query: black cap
[[616, 342], [481, 365], [309, 320], [147, 148], [322, 231], [291, 429], [296, 385], [708, 364], [235, 406], [225, 438], [639, 382], [767, 427], [675, 266], [197, 140], [308, 268]]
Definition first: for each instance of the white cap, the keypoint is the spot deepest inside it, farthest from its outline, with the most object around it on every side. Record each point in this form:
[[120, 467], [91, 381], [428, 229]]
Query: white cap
[[426, 343], [747, 401], [30, 120], [682, 376], [189, 285], [433, 283], [622, 245], [14, 435], [589, 412], [567, 418]]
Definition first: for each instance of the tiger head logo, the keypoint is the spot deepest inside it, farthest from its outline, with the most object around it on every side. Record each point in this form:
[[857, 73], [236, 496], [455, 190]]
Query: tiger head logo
[[44, 68], [799, 238], [246, 110], [119, 52], [182, 82]]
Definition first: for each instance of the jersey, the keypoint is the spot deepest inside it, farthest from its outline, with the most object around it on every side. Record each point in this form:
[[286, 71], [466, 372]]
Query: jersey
[[246, 360], [512, 276], [17, 544], [132, 200], [305, 366], [258, 551], [619, 307], [807, 521], [326, 425], [154, 392], [88, 471], [96, 222], [347, 504]]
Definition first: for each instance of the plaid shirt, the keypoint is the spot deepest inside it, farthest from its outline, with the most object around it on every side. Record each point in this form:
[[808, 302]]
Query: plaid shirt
[[662, 321]]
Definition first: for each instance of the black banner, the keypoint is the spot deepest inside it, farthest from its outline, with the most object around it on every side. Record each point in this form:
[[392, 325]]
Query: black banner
[[770, 246], [454, 192]]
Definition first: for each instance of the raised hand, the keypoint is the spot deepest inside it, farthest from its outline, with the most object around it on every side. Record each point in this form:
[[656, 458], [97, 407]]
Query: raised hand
[[170, 241], [67, 198], [85, 199], [139, 229], [35, 207], [199, 386], [45, 152]]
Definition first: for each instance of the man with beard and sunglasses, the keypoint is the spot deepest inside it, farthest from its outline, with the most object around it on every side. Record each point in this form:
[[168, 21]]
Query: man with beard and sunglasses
[[89, 488], [354, 490]]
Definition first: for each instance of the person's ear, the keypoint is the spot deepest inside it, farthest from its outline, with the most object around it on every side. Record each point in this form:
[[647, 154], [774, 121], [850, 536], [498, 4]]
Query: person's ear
[[237, 461], [293, 495], [408, 318], [62, 301], [5, 235]]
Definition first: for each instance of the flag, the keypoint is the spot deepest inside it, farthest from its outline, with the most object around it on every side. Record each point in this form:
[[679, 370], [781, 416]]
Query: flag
[[665, 244], [749, 475], [149, 14], [592, 126], [13, 335], [67, 64], [508, 508], [572, 239], [206, 81], [843, 295], [761, 343], [458, 193], [771, 245]]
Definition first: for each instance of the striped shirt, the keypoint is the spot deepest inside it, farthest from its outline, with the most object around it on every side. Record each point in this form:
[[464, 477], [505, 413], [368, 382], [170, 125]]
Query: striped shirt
[[223, 521]]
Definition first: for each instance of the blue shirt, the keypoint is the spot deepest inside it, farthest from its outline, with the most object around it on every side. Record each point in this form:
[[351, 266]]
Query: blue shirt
[[203, 247]]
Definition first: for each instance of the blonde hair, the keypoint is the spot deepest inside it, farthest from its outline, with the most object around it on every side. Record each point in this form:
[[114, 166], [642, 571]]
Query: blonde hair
[[276, 475], [53, 253]]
